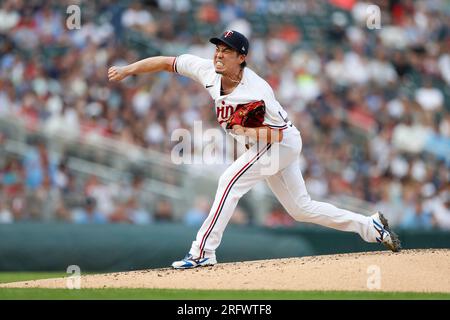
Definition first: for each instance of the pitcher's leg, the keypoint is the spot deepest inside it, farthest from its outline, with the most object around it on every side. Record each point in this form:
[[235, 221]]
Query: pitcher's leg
[[290, 189], [238, 179]]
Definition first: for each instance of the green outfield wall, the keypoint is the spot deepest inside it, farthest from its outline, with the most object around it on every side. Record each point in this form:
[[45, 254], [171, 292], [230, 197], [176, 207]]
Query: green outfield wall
[[114, 247]]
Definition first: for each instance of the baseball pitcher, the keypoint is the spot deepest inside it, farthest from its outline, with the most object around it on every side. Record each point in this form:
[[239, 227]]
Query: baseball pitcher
[[246, 107]]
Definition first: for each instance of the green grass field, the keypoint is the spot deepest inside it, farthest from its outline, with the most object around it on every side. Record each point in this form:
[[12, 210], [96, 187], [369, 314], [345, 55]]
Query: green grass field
[[168, 294]]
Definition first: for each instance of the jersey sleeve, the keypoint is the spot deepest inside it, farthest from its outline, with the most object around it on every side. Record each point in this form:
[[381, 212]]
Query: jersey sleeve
[[198, 69], [275, 117]]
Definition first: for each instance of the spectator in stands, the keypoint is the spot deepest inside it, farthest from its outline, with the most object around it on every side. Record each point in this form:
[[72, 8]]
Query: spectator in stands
[[137, 213], [229, 11], [9, 16], [130, 211], [5, 214], [102, 193], [12, 178], [62, 213], [71, 195], [89, 214], [278, 218], [440, 210], [41, 203], [208, 13], [163, 211], [428, 97], [416, 217], [240, 217], [197, 214], [144, 198], [139, 18], [38, 165]]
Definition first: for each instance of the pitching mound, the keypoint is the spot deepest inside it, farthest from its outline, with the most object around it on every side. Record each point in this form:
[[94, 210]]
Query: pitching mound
[[409, 270]]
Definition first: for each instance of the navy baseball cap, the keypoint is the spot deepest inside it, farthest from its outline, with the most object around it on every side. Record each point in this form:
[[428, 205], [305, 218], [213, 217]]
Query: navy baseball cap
[[234, 40]]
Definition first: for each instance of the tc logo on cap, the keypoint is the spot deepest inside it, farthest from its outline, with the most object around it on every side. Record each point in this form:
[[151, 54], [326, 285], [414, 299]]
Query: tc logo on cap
[[227, 33]]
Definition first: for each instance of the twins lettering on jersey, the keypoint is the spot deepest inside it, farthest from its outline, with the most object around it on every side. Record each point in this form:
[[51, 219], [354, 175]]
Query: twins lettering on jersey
[[224, 111]]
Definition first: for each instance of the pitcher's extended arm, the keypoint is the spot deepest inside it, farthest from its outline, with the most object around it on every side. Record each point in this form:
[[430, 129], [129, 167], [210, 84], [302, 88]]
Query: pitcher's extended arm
[[152, 64]]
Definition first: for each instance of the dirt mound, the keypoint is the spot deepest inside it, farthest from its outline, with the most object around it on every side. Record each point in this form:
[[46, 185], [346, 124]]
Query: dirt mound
[[409, 270]]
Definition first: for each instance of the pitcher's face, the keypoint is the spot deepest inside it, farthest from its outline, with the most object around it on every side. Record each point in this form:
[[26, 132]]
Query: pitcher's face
[[227, 60]]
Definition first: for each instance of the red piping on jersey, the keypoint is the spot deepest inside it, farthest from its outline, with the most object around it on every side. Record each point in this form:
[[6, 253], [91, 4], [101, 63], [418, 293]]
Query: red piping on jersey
[[174, 65], [222, 200], [276, 127]]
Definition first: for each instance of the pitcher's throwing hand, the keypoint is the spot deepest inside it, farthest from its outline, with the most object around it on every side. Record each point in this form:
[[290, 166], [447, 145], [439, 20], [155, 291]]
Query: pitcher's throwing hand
[[116, 74]]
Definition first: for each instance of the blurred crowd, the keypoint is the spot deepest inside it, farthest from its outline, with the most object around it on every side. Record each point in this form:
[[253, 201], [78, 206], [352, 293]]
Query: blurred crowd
[[372, 105], [41, 187]]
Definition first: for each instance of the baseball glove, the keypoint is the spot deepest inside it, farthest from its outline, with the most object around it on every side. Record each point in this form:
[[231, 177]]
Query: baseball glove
[[249, 115]]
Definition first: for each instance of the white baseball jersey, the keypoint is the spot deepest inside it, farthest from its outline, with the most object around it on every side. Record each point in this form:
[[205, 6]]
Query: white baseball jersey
[[286, 181], [251, 88]]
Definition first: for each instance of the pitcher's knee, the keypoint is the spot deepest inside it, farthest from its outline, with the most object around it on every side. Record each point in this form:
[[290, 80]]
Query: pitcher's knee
[[224, 180], [303, 211]]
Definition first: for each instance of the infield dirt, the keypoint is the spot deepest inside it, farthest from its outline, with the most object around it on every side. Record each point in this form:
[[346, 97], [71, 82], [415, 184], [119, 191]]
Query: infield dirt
[[410, 270]]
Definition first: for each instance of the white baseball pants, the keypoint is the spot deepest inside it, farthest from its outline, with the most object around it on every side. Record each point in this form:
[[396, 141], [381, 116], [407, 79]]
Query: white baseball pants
[[278, 164]]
